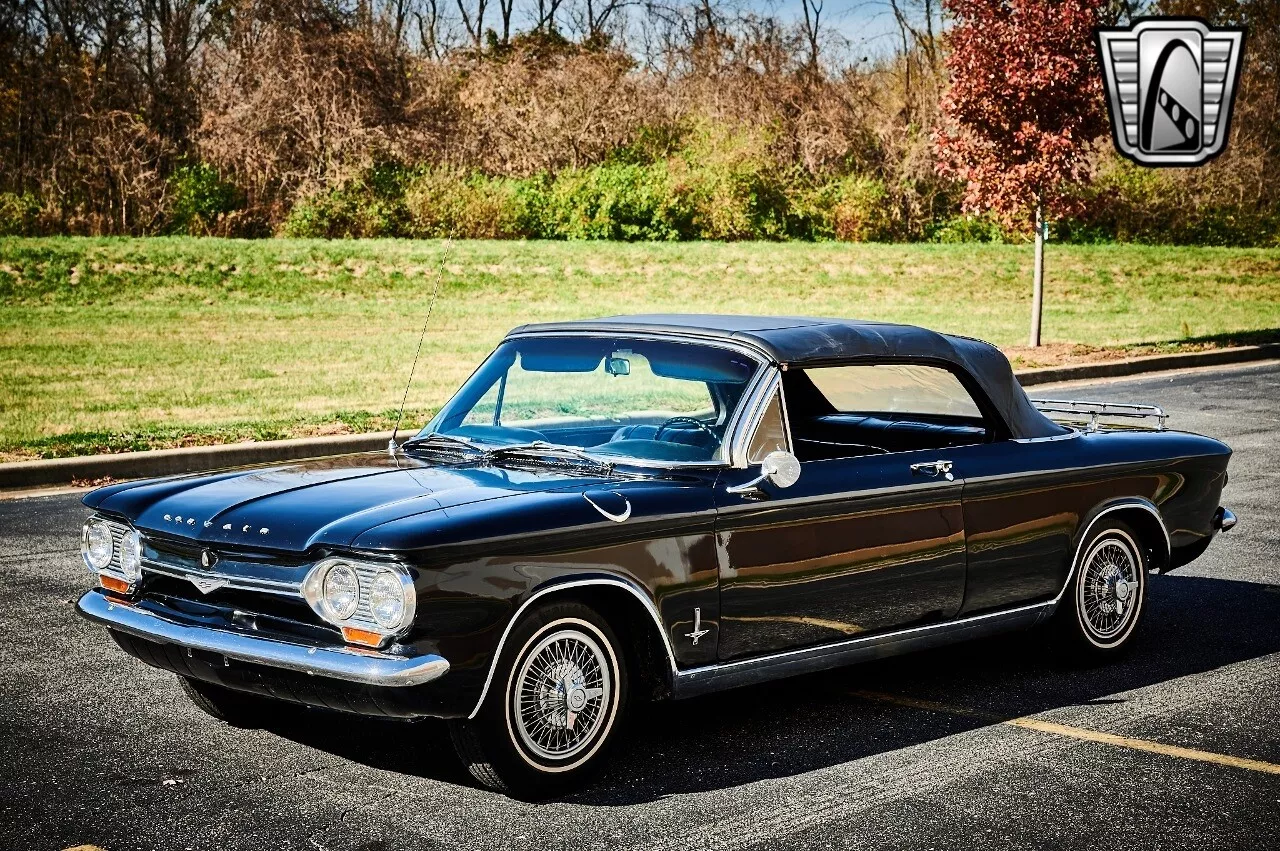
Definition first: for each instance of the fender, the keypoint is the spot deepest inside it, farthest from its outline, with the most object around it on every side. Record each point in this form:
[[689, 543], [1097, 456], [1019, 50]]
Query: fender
[[558, 585], [1121, 504]]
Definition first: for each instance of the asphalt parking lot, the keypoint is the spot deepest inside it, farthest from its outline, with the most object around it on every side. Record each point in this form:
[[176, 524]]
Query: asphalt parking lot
[[988, 744]]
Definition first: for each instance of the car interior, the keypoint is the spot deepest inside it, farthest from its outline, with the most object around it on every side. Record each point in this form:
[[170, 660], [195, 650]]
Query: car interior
[[820, 430]]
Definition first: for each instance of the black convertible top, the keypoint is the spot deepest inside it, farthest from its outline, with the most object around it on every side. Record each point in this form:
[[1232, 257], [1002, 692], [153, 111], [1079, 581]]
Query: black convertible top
[[802, 341]]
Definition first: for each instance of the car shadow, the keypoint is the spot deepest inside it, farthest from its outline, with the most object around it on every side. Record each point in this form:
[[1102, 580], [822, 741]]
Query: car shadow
[[1192, 624]]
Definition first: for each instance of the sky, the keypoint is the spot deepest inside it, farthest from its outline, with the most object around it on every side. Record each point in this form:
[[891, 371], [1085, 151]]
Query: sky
[[868, 25]]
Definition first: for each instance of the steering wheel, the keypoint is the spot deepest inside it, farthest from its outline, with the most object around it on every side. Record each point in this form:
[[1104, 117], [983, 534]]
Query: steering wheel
[[699, 424]]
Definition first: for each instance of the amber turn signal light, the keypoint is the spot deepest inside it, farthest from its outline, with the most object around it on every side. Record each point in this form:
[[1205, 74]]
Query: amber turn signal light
[[113, 584], [361, 636]]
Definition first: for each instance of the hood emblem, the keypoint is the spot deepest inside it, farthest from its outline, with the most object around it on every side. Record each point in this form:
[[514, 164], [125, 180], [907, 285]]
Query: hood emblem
[[208, 559], [207, 585]]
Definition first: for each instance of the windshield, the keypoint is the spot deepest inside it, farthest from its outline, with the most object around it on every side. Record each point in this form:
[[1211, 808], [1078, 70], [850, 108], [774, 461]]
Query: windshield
[[615, 397]]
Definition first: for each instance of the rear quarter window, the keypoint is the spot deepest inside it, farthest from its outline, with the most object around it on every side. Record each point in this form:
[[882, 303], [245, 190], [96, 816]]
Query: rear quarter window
[[894, 388]]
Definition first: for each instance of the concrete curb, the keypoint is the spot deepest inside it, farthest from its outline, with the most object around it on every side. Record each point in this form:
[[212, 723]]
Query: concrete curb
[[165, 462], [1154, 363]]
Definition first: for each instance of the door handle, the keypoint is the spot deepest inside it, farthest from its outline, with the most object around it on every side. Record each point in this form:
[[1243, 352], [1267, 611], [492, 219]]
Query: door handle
[[935, 469]]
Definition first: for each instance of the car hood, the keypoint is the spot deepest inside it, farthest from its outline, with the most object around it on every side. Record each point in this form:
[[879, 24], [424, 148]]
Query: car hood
[[320, 502]]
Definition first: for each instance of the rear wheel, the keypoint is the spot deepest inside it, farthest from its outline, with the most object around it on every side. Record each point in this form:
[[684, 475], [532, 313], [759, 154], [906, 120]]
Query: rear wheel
[[553, 708], [234, 707], [1102, 606]]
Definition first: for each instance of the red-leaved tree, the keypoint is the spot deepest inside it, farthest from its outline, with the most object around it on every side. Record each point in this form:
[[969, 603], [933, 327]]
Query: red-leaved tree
[[1024, 102]]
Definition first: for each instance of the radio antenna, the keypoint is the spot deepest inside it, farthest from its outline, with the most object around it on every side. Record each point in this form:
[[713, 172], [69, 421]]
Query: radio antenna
[[392, 446]]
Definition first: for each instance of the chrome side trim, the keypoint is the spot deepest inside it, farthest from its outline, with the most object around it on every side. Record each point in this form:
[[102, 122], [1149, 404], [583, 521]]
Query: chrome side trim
[[709, 678], [1131, 502], [341, 663], [1070, 434], [563, 586]]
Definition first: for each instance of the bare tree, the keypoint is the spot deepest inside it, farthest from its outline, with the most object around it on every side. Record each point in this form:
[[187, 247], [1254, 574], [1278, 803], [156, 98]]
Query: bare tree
[[545, 17], [429, 23], [472, 13], [812, 28], [172, 33], [505, 8], [596, 15]]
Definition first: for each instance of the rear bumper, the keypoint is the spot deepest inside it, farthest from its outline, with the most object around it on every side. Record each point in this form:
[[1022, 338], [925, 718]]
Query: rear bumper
[[350, 664]]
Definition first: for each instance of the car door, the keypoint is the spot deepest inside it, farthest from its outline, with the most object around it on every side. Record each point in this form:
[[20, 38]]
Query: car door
[[859, 544], [1024, 501]]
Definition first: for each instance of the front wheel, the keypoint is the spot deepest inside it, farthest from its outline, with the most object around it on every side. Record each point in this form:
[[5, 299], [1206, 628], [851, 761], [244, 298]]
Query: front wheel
[[553, 708], [1103, 602]]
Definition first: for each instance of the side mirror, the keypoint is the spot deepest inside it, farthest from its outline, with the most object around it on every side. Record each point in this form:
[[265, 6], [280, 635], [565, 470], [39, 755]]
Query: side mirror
[[780, 468]]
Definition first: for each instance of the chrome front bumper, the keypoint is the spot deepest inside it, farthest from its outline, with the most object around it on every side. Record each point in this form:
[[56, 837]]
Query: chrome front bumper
[[352, 664]]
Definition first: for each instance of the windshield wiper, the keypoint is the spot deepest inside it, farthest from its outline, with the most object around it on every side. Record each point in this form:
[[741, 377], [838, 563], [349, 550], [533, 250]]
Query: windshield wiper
[[443, 441], [542, 449]]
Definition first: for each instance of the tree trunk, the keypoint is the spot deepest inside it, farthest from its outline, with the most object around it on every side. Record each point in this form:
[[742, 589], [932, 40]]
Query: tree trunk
[[1037, 295]]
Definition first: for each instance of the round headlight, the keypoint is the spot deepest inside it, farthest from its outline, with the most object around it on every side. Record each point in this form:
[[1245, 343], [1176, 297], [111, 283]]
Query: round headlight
[[97, 546], [131, 556], [341, 591], [386, 599]]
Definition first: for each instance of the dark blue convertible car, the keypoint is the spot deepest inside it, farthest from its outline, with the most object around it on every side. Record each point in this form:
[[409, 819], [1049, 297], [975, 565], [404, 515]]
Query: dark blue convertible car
[[647, 507]]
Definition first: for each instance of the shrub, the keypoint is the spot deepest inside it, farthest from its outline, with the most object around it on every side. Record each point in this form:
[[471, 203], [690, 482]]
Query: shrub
[[370, 205], [981, 228], [730, 184], [445, 202], [19, 214], [624, 202], [1128, 203], [852, 209], [201, 199]]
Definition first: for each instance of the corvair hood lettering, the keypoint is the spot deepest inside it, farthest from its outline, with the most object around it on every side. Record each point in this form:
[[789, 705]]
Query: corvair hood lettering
[[328, 501]]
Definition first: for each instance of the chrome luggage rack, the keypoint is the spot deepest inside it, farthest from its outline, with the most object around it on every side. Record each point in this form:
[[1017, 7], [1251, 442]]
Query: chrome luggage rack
[[1091, 414]]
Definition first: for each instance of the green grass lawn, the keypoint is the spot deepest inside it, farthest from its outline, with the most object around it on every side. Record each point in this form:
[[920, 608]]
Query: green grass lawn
[[116, 344]]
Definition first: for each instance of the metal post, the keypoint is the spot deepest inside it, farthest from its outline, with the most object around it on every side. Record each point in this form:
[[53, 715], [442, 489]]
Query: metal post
[[1037, 296]]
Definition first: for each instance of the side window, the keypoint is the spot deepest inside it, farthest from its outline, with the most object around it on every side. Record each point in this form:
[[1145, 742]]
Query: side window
[[771, 434], [894, 389], [874, 409]]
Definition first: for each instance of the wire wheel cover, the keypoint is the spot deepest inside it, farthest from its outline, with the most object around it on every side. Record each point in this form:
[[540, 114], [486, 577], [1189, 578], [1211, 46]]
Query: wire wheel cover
[[562, 694], [1110, 587]]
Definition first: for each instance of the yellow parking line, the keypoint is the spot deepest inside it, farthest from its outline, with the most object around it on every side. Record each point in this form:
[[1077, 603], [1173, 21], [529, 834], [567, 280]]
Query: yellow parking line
[[1076, 733]]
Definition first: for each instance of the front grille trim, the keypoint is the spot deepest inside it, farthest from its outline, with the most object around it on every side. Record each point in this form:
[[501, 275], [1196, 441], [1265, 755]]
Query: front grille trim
[[227, 580]]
